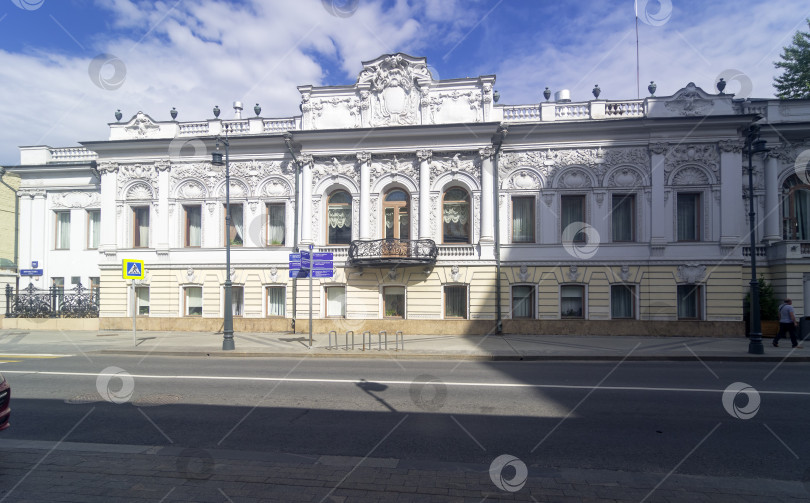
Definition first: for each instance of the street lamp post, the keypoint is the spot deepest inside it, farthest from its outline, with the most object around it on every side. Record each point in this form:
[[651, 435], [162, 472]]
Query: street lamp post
[[216, 160], [753, 145]]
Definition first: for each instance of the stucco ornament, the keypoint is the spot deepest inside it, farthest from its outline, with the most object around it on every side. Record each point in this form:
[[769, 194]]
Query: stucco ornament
[[690, 101], [142, 126], [524, 273], [395, 95], [691, 272]]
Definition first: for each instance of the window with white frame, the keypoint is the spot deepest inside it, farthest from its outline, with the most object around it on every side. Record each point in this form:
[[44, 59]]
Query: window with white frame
[[62, 230], [93, 228], [339, 218], [455, 302], [523, 301], [523, 219], [237, 300], [192, 301], [572, 301], [688, 216], [95, 287], [690, 302], [795, 209], [456, 216], [140, 227], [275, 224], [336, 301], [276, 301], [236, 231], [142, 300], [192, 225], [622, 301], [622, 215]]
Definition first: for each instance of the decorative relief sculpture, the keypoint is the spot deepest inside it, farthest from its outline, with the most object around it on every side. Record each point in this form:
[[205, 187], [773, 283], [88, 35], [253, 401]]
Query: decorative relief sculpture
[[524, 273], [142, 126], [624, 177], [394, 165], [691, 272], [76, 200], [434, 209], [455, 274], [460, 162], [191, 190], [704, 155], [574, 179], [523, 180], [624, 274], [139, 191], [734, 146], [690, 101], [334, 166], [394, 84], [163, 165], [690, 176], [105, 167], [573, 273]]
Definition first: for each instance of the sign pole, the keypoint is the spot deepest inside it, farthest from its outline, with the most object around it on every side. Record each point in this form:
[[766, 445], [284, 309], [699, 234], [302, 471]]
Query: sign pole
[[134, 313], [310, 296]]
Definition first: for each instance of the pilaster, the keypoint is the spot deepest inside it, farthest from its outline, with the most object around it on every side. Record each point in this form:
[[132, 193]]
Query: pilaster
[[487, 205], [109, 213], [162, 246], [306, 198], [658, 220], [773, 230], [364, 158], [424, 156], [731, 204]]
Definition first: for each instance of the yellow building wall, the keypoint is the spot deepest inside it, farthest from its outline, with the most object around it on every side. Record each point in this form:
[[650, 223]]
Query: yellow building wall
[[8, 220]]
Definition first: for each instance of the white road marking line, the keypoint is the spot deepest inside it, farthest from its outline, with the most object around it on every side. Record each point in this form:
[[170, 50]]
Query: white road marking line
[[405, 383], [32, 355]]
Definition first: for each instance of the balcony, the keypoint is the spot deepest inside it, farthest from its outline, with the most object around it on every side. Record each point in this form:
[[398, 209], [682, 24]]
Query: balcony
[[390, 252]]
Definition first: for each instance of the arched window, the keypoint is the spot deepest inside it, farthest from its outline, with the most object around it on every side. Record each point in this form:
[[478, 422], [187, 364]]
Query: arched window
[[456, 216], [796, 209], [397, 222], [339, 218]]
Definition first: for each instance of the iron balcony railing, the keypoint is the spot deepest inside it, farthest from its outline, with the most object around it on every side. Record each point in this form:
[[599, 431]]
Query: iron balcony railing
[[53, 302], [392, 251]]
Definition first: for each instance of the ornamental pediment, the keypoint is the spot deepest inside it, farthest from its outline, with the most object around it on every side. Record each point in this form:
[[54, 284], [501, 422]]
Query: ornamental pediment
[[690, 101]]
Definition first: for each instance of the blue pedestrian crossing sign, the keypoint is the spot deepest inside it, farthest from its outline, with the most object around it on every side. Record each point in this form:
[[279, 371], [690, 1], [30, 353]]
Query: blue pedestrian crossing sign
[[133, 269]]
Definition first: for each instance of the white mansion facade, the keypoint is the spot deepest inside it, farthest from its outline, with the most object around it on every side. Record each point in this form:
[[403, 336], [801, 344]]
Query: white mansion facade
[[445, 211]]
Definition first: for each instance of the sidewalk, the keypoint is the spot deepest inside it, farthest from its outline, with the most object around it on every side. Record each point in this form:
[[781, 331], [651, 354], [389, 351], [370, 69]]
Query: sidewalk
[[472, 347]]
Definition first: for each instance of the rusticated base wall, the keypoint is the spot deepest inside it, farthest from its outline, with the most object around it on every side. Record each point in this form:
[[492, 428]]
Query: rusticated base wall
[[442, 327]]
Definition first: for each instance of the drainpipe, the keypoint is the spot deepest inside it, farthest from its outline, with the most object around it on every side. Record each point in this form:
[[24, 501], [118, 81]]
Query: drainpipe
[[497, 142], [16, 225], [288, 141]]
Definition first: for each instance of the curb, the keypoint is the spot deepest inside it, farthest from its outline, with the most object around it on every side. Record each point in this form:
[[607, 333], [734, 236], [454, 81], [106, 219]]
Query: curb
[[450, 356]]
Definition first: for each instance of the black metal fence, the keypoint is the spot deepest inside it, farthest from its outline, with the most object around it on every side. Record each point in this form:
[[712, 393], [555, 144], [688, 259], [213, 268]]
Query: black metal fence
[[53, 302]]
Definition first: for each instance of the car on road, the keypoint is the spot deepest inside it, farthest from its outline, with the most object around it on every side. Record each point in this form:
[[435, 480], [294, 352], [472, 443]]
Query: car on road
[[5, 403]]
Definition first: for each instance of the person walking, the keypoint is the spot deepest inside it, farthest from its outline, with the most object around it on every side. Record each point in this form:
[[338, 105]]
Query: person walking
[[787, 323]]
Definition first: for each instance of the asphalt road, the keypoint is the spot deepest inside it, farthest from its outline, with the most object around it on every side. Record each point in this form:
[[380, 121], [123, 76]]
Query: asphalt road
[[623, 416]]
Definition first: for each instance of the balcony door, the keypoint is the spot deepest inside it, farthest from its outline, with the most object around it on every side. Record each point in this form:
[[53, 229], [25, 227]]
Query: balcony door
[[397, 222]]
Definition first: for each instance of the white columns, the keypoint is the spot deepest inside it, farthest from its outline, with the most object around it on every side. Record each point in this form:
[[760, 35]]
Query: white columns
[[108, 172], [306, 198], [487, 204], [424, 157], [658, 221], [162, 245], [773, 212], [364, 158], [731, 207]]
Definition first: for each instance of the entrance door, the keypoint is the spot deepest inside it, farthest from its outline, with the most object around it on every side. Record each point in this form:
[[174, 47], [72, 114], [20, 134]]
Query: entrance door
[[397, 222]]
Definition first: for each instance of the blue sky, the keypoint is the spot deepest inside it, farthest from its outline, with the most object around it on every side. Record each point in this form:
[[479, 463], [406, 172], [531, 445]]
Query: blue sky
[[194, 54]]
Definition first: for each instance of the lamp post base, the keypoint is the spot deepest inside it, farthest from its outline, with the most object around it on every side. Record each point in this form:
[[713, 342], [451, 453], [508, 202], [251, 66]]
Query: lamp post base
[[755, 346], [228, 345]]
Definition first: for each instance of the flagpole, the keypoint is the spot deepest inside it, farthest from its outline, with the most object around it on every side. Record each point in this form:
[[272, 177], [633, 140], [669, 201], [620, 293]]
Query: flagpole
[[638, 85]]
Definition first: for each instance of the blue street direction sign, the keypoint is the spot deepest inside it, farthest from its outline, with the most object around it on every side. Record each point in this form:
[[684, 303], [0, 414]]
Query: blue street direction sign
[[304, 255], [299, 273], [295, 257], [133, 269], [322, 264], [323, 256], [319, 273], [30, 272]]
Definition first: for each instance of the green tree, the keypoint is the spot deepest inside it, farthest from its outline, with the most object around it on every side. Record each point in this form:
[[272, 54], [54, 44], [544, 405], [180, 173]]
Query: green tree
[[768, 303], [794, 83]]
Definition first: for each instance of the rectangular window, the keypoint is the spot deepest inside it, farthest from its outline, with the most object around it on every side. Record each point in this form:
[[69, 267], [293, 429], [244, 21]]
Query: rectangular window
[[95, 287], [193, 226], [394, 301], [142, 300], [62, 230], [275, 224], [193, 300], [572, 301], [688, 217], [276, 301], [523, 220], [622, 301], [236, 233], [623, 218], [455, 302], [140, 227], [58, 285], [523, 301], [74, 281], [572, 218], [237, 300], [689, 302], [93, 228], [336, 301]]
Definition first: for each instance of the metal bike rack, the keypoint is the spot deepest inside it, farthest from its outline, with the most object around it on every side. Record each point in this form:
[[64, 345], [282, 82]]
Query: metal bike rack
[[330, 339], [347, 339], [363, 348], [399, 338], [379, 340]]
